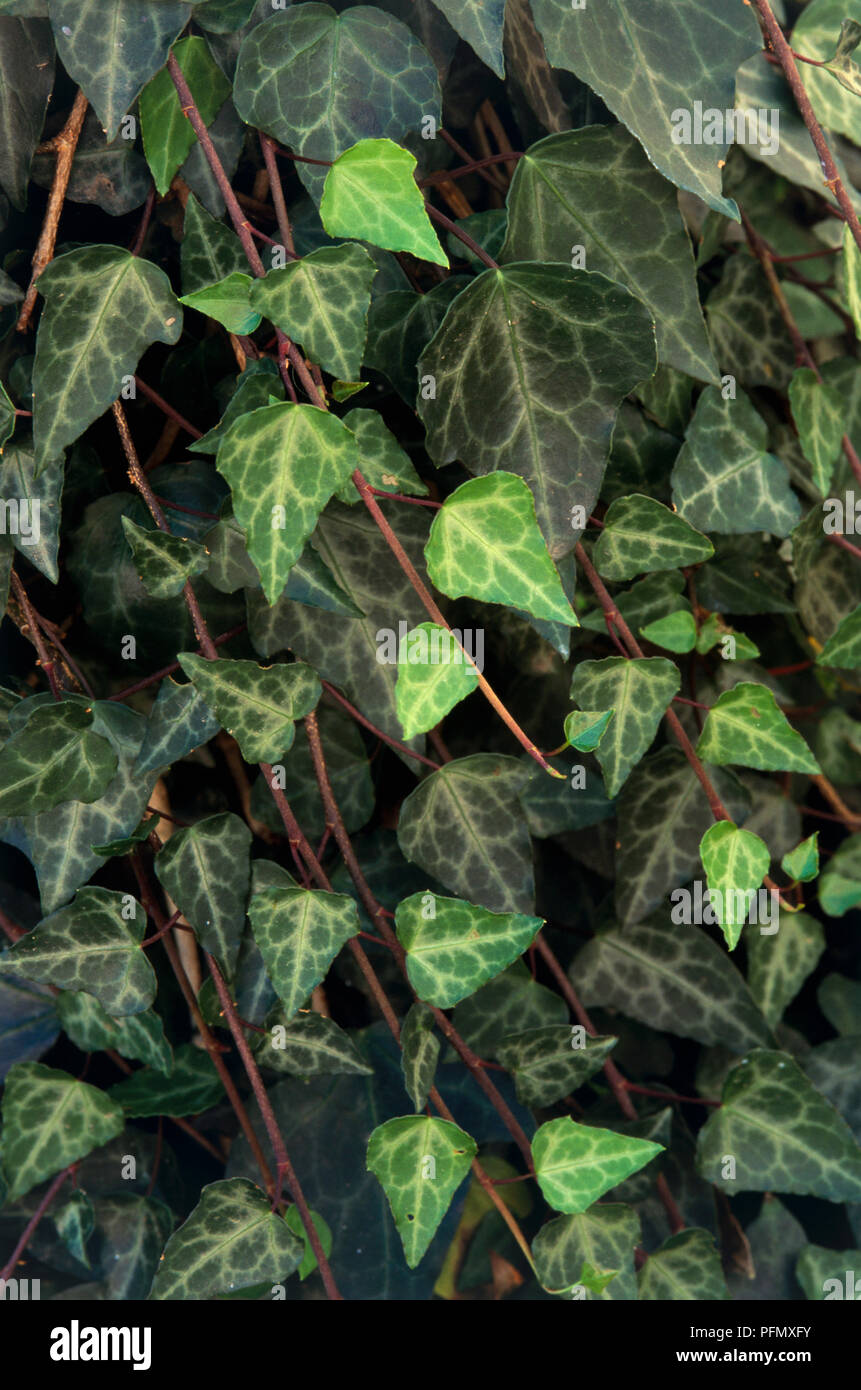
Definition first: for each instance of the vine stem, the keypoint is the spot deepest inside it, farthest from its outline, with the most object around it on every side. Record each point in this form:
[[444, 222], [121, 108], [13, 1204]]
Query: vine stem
[[167, 409], [30, 1229], [32, 630], [64, 144], [786, 59], [372, 728]]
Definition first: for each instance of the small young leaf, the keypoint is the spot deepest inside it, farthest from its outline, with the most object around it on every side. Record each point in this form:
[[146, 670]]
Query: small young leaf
[[676, 632], [420, 1051], [300, 931], [321, 301], [735, 863], [818, 411], [228, 301], [371, 194], [433, 676], [576, 1164], [164, 561], [746, 727], [258, 705], [309, 1259], [584, 729], [802, 863], [420, 1162], [454, 947]]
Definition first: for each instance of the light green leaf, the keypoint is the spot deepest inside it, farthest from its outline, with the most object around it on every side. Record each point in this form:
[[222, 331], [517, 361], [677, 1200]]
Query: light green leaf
[[840, 883], [228, 301], [802, 863], [815, 35], [309, 1259], [167, 132], [734, 644], [818, 411], [639, 692], [641, 536], [307, 1045], [300, 931], [723, 478], [371, 193], [454, 947], [686, 1268], [594, 188], [164, 561], [420, 1162], [576, 1164], [549, 1063], [258, 705], [604, 1236], [746, 727], [92, 1029], [283, 463], [852, 276], [382, 461], [103, 308], [645, 61], [529, 367], [735, 862], [49, 1121], [206, 869], [843, 648], [676, 632], [825, 1274], [779, 962], [485, 542], [584, 729], [465, 827], [321, 301], [210, 251], [419, 1053], [232, 1240], [92, 945], [56, 757], [433, 676], [37, 534], [192, 1086], [783, 1135]]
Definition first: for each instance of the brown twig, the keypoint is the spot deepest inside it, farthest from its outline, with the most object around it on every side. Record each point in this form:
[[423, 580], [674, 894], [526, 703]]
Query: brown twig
[[65, 144]]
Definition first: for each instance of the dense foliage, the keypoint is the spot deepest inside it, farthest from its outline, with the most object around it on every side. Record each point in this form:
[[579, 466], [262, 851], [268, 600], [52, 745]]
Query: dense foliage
[[429, 788]]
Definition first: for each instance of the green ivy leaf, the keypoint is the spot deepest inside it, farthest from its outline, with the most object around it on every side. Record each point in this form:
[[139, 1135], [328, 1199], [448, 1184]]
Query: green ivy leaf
[[258, 705], [37, 537], [594, 188], [139, 1036], [91, 945], [605, 1236], [206, 869], [735, 862], [549, 1063], [382, 461], [778, 963], [745, 727], [210, 252], [322, 302], [420, 1162], [56, 757], [715, 631], [103, 308], [818, 411], [485, 542], [783, 1135], [179, 721], [802, 863], [283, 463], [686, 1268], [512, 1001], [517, 386], [228, 301], [190, 1088], [677, 632], [433, 676], [165, 562], [480, 24], [836, 102], [300, 931], [371, 193], [307, 1045], [639, 691], [26, 82], [167, 132], [454, 947], [419, 1053], [818, 1264], [840, 1001], [843, 648], [584, 729], [49, 1121], [840, 883], [232, 1240], [309, 1259], [724, 479], [641, 536], [576, 1164]]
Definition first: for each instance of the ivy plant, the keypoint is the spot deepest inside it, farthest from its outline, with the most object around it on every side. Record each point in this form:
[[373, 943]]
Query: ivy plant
[[430, 826]]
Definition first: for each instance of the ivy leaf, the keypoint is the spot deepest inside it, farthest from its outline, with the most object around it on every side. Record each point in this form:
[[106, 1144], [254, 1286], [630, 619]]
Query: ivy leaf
[[309, 1259], [639, 691], [319, 81], [49, 1121], [26, 82], [818, 411], [584, 729], [715, 631], [746, 727], [840, 1001], [92, 1029], [783, 1135], [687, 1267], [464, 826], [511, 1001], [37, 537], [818, 1268], [644, 64], [232, 1240], [724, 479], [91, 945], [210, 251], [166, 130], [420, 1162], [605, 1236], [228, 301], [206, 869], [371, 193], [382, 461], [453, 947], [56, 757], [190, 1088], [103, 308], [258, 705], [30, 1025], [676, 980], [419, 1053], [480, 24], [165, 561], [840, 883], [283, 463], [549, 1063], [594, 188], [485, 542], [576, 1164], [779, 963], [528, 368], [322, 302], [813, 35], [641, 536], [802, 863], [843, 648], [735, 862], [433, 676], [111, 48], [307, 1045], [255, 387], [179, 721], [300, 931], [677, 632]]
